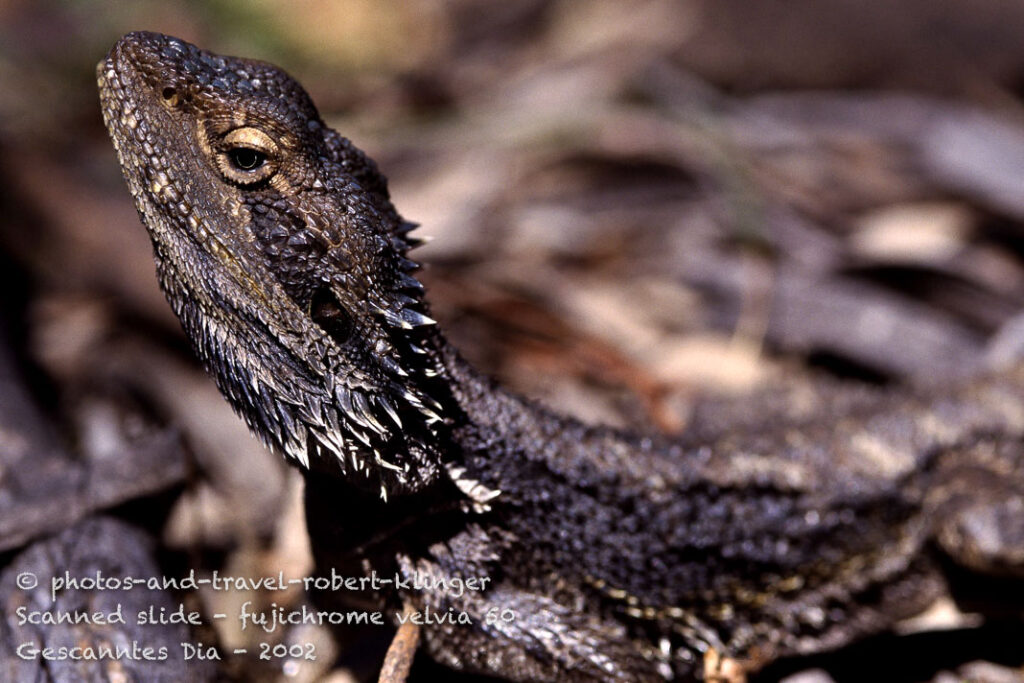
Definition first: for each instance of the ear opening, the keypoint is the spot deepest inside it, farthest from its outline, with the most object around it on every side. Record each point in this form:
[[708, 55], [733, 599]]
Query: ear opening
[[327, 312]]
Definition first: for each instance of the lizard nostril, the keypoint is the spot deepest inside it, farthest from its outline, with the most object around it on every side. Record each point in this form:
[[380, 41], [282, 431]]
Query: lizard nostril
[[170, 96]]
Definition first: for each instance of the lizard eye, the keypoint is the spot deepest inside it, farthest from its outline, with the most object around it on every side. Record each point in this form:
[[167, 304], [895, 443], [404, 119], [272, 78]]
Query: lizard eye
[[247, 156]]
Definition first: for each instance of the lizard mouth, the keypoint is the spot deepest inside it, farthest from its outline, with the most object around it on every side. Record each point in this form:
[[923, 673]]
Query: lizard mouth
[[109, 87], [119, 67], [117, 75]]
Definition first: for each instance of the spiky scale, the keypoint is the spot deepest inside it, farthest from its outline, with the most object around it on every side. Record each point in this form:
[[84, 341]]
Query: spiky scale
[[415, 318], [362, 405], [389, 409]]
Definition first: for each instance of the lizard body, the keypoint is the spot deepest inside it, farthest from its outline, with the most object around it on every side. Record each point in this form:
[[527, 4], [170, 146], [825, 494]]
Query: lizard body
[[619, 556]]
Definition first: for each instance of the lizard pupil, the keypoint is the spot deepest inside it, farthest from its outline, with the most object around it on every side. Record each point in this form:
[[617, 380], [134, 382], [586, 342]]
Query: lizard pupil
[[245, 159]]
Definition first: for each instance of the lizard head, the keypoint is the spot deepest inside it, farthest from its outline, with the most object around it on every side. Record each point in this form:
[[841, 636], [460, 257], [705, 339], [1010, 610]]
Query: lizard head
[[280, 251]]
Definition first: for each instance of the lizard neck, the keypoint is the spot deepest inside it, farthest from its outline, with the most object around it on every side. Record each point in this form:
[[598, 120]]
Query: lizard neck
[[502, 439]]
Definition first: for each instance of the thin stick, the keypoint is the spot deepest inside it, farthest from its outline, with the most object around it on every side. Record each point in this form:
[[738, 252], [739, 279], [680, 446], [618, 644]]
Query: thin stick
[[398, 659]]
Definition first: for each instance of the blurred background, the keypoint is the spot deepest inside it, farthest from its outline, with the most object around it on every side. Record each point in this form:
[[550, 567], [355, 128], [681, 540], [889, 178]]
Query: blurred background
[[635, 206]]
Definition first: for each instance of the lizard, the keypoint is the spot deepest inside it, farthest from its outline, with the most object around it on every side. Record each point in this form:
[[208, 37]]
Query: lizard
[[601, 554]]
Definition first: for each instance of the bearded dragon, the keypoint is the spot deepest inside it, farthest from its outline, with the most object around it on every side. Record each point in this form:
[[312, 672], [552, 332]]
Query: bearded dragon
[[603, 555]]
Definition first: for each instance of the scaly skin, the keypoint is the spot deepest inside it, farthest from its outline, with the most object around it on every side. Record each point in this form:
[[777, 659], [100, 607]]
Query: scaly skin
[[620, 557]]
